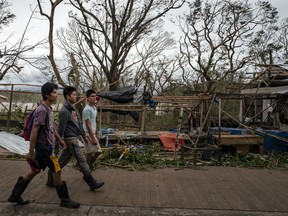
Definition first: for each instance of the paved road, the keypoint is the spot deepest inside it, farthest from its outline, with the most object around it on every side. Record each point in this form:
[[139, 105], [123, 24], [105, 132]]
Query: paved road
[[205, 191], [6, 209]]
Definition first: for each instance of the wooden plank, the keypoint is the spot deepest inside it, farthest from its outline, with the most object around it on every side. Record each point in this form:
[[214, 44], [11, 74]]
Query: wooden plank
[[266, 90], [240, 139]]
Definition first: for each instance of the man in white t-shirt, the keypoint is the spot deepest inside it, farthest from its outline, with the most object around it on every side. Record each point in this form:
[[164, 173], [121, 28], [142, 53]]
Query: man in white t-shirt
[[89, 115]]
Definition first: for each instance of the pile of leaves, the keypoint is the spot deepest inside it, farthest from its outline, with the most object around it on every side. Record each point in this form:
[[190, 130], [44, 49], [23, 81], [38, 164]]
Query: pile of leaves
[[273, 160], [139, 158], [13, 157], [152, 156]]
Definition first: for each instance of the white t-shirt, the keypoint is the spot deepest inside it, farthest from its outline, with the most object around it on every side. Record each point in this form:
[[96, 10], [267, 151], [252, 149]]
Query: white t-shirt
[[90, 113]]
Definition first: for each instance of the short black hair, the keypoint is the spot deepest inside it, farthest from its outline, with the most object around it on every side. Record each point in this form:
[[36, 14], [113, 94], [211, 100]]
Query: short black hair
[[68, 90], [47, 89], [89, 92]]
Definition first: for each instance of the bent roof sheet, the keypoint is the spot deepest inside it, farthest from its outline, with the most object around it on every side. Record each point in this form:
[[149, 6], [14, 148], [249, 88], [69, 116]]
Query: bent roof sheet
[[14, 143]]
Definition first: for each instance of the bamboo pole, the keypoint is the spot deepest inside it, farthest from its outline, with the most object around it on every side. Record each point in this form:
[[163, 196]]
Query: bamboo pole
[[178, 131], [143, 117], [10, 108], [219, 143]]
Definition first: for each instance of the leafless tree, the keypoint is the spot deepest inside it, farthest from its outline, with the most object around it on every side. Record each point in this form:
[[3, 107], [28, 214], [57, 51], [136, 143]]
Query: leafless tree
[[283, 38], [216, 38], [12, 53], [72, 41], [6, 17], [112, 29], [148, 59], [157, 65], [50, 17]]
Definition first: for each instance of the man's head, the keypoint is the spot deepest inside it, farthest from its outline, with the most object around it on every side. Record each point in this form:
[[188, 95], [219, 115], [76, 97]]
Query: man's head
[[70, 94], [49, 91], [91, 97], [89, 92]]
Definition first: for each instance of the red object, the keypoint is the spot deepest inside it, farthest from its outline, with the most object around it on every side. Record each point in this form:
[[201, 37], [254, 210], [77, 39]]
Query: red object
[[34, 165], [97, 98], [168, 141]]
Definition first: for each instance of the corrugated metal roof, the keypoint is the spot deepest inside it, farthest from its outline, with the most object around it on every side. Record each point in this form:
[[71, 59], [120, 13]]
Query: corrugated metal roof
[[13, 143], [285, 66], [266, 90], [283, 63]]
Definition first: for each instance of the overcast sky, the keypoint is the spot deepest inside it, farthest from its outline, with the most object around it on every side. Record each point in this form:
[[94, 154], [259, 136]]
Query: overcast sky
[[38, 27]]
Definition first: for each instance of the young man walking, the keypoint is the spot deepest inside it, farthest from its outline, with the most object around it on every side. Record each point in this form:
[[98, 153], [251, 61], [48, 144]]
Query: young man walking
[[89, 115], [40, 156], [70, 129]]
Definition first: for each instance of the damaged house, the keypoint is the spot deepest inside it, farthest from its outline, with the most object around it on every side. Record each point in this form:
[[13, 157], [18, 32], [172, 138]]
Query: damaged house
[[265, 106]]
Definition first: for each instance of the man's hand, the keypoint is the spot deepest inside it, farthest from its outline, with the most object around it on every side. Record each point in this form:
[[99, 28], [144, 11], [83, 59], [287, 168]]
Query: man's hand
[[30, 155], [63, 144], [94, 140], [86, 140], [34, 166], [98, 135]]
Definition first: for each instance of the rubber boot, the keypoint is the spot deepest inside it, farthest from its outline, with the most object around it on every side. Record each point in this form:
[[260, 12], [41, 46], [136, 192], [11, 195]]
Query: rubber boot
[[18, 190], [63, 194], [93, 184], [50, 182]]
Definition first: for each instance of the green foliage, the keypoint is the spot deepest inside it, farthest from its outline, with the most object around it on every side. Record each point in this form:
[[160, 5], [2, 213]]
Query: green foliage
[[13, 156], [149, 157], [273, 160], [139, 158]]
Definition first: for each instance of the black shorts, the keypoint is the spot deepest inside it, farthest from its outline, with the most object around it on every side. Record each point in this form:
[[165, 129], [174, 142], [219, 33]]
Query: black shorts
[[45, 157]]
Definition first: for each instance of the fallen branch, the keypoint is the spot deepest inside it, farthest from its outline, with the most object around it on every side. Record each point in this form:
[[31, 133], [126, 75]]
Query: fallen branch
[[115, 165]]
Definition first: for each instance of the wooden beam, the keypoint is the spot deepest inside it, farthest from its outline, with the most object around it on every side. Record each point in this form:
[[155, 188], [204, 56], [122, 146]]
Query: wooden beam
[[240, 139]]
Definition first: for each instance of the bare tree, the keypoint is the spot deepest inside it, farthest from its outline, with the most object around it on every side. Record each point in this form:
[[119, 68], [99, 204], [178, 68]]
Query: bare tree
[[216, 38], [152, 51], [266, 44], [72, 41], [112, 28], [283, 38], [6, 17], [148, 59], [12, 53], [156, 64], [50, 17]]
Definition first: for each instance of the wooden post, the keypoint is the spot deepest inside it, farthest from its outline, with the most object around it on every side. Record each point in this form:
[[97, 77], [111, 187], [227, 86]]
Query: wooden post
[[201, 115], [143, 117], [178, 131], [100, 117], [219, 132], [10, 108]]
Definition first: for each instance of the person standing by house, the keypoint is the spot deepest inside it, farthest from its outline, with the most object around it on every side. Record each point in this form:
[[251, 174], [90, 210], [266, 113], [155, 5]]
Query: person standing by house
[[70, 129], [41, 154], [89, 115]]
